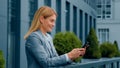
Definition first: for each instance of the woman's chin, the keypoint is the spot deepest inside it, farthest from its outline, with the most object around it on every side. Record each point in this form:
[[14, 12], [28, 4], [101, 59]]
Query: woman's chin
[[50, 31]]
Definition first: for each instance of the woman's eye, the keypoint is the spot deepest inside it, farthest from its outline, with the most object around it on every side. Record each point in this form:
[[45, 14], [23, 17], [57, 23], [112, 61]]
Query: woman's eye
[[52, 20]]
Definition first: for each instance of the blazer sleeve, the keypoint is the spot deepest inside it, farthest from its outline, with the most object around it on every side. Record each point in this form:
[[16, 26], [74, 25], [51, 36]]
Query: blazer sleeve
[[35, 46]]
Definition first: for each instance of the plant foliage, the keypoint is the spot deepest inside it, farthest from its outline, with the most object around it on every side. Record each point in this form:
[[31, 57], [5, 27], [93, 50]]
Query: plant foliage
[[66, 41], [108, 49], [93, 51], [2, 61]]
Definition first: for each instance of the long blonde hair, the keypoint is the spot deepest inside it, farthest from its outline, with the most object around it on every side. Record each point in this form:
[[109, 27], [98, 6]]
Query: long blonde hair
[[44, 11]]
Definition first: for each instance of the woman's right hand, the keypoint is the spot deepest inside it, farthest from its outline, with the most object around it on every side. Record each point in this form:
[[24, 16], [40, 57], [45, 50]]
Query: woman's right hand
[[75, 53]]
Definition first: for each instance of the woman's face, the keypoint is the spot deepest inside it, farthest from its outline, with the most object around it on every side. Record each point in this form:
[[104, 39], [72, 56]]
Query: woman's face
[[48, 23]]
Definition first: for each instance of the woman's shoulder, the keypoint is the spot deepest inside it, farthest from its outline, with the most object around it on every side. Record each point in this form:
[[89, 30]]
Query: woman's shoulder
[[34, 35]]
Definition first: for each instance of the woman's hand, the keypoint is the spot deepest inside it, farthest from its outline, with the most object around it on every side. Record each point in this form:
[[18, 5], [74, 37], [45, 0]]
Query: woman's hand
[[75, 53]]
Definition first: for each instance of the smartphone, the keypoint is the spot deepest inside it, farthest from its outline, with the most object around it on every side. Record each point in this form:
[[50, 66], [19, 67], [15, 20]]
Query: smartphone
[[85, 45]]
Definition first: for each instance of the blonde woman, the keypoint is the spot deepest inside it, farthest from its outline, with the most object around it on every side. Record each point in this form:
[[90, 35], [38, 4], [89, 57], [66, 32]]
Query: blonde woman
[[39, 46]]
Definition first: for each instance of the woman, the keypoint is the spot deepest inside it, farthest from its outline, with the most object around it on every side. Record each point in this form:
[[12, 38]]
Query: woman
[[40, 50]]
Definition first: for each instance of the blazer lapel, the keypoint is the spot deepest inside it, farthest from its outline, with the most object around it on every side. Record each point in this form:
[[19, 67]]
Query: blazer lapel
[[48, 44], [47, 49]]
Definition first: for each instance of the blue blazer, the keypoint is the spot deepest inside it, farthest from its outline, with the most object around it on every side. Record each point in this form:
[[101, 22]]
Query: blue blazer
[[41, 54]]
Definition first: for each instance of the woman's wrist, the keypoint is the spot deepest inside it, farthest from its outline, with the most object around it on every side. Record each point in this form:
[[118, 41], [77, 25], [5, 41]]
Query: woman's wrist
[[70, 56]]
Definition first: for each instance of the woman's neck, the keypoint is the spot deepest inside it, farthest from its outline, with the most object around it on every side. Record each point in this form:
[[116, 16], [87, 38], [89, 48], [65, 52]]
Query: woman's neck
[[43, 31]]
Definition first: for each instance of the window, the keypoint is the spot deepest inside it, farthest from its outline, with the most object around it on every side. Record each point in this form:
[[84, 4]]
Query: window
[[103, 16], [98, 16], [13, 55], [108, 16], [108, 10], [104, 9], [67, 16], [33, 7], [58, 21], [75, 19], [90, 20], [81, 24], [108, 6], [99, 11], [108, 2], [103, 35], [99, 6], [86, 25], [94, 25]]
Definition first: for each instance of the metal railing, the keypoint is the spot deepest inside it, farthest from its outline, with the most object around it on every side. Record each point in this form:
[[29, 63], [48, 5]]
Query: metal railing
[[106, 63]]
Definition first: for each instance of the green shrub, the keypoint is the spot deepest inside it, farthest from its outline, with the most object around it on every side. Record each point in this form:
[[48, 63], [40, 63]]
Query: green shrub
[[108, 49], [118, 52], [2, 61], [93, 51], [66, 41], [116, 44]]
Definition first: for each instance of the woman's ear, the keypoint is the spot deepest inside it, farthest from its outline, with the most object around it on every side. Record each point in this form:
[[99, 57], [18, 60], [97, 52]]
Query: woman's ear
[[41, 19]]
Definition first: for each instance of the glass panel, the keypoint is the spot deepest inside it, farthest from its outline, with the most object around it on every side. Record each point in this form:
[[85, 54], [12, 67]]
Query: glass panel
[[58, 21], [13, 54], [90, 19], [67, 16], [98, 16], [99, 6], [108, 10], [103, 35], [47, 2], [75, 19], [32, 9], [81, 24], [99, 11], [86, 25], [108, 2], [108, 6]]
